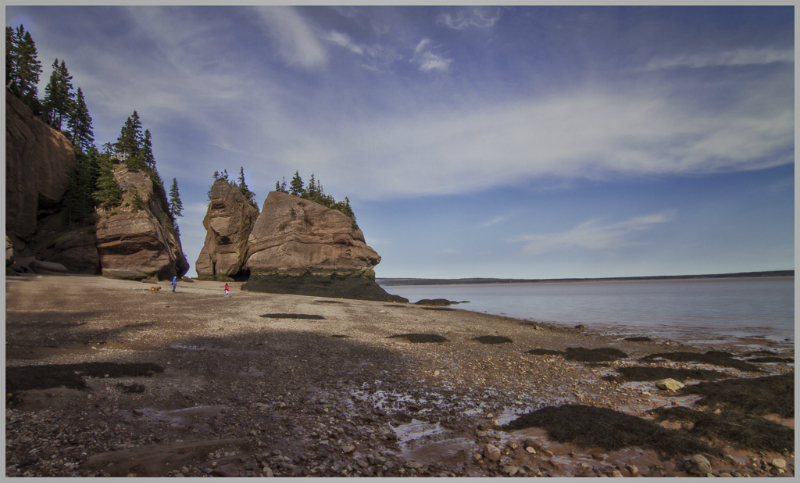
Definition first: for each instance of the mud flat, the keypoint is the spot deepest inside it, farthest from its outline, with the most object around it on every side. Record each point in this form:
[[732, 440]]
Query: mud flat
[[108, 378]]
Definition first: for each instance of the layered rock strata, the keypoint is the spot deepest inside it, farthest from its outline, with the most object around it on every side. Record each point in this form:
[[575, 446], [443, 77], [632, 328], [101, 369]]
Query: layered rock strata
[[228, 223], [138, 244]]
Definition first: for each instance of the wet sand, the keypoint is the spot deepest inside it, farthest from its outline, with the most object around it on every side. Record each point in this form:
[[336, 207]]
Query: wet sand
[[237, 386]]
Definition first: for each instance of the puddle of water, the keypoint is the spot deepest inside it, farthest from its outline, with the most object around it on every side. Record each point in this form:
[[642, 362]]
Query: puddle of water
[[180, 415], [186, 347]]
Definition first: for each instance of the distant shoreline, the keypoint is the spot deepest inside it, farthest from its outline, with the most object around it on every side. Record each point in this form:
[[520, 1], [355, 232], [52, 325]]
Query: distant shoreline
[[459, 281]]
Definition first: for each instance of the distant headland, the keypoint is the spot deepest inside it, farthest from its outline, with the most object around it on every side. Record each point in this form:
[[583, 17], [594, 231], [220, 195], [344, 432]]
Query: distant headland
[[458, 281]]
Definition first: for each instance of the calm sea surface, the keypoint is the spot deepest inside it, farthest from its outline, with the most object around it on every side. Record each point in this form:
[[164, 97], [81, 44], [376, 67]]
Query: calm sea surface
[[700, 310]]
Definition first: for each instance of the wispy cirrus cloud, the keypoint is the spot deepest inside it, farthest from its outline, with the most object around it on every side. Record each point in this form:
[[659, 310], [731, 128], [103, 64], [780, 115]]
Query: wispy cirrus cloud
[[737, 57], [429, 60], [295, 38], [496, 220], [479, 17], [376, 57], [591, 235]]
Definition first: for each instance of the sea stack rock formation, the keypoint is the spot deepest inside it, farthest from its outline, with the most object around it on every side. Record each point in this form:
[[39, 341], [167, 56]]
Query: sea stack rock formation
[[228, 222], [137, 244], [39, 160], [301, 247]]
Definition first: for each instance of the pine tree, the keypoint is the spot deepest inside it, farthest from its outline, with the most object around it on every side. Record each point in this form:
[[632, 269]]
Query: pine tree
[[58, 95], [175, 204], [297, 185], [129, 141], [147, 150], [249, 195], [108, 194], [137, 202], [80, 124], [23, 67]]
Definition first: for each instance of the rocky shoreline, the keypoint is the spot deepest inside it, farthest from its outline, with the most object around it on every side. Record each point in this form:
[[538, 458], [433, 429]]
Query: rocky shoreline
[[110, 378]]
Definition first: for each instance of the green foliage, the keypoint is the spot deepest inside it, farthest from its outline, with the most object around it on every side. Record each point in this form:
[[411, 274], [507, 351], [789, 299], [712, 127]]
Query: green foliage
[[129, 141], [80, 125], [314, 192], [78, 198], [297, 185], [175, 204], [58, 99], [23, 67], [249, 195], [137, 202], [108, 194], [147, 150]]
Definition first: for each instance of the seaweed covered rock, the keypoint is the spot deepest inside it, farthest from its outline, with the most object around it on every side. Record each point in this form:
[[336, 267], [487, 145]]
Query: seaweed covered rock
[[228, 223], [138, 242], [301, 247]]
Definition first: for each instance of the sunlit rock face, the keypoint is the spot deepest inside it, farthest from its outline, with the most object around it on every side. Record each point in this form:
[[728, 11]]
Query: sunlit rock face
[[137, 244], [229, 220], [301, 247]]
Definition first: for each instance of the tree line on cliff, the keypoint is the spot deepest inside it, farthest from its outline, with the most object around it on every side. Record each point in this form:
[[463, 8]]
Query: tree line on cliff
[[91, 184]]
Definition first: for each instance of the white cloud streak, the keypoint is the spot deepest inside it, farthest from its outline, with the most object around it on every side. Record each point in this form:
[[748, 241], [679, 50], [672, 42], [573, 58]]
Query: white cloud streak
[[376, 57], [427, 59], [738, 57], [593, 236], [297, 43], [470, 17]]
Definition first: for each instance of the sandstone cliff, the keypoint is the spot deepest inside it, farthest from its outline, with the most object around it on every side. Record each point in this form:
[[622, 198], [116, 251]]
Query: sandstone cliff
[[124, 243], [137, 244], [301, 247], [228, 223], [39, 161]]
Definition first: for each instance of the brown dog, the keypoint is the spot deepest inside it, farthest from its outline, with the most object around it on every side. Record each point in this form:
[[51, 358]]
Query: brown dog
[[155, 289]]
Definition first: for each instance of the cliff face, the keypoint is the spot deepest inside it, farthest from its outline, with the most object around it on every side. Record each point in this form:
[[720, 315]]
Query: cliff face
[[294, 236], [228, 223], [124, 243], [39, 161], [139, 244], [304, 248]]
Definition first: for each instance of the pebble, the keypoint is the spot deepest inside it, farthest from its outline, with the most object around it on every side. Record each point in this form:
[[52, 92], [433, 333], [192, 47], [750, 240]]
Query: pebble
[[492, 452]]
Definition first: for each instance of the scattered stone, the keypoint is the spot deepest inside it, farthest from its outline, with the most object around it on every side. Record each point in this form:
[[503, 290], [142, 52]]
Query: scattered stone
[[779, 463], [510, 470], [669, 384], [698, 465], [492, 452], [349, 448]]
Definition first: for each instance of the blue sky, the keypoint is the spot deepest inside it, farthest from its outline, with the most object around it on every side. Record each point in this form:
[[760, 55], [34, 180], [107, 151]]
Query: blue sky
[[520, 142]]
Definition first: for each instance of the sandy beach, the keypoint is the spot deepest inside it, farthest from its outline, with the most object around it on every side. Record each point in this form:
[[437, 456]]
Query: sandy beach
[[110, 378]]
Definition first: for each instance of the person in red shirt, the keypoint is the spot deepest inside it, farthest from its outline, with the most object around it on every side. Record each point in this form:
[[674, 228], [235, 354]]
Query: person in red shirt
[[226, 289]]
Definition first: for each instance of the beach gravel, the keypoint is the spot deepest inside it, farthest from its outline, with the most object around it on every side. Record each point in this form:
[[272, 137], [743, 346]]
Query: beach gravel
[[145, 383]]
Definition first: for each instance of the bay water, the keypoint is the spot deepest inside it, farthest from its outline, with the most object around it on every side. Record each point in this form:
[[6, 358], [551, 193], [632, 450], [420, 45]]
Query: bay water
[[712, 310]]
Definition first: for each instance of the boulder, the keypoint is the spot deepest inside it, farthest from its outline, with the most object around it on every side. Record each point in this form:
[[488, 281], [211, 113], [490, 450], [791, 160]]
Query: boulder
[[9, 248], [669, 384], [47, 268], [698, 465], [39, 161], [228, 223], [301, 247], [75, 247], [136, 244]]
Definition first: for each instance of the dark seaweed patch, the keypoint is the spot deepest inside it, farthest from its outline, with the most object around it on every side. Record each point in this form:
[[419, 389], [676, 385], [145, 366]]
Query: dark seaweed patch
[[421, 338], [758, 396], [340, 336], [603, 354], [545, 352], [433, 302], [639, 339], [761, 353], [493, 339], [717, 358], [608, 429], [769, 359], [442, 309], [294, 316], [71, 375], [657, 373], [741, 431], [328, 301], [131, 388]]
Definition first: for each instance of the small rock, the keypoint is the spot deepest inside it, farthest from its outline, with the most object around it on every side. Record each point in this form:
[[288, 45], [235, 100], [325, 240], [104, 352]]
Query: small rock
[[185, 470], [349, 448], [616, 474], [492, 452], [776, 471], [510, 470], [268, 472], [413, 465], [633, 469], [481, 434], [598, 456], [698, 465], [530, 450], [779, 463], [669, 384]]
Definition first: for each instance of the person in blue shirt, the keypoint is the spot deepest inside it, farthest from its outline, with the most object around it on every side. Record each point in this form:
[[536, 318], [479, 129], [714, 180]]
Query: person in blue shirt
[[174, 283]]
